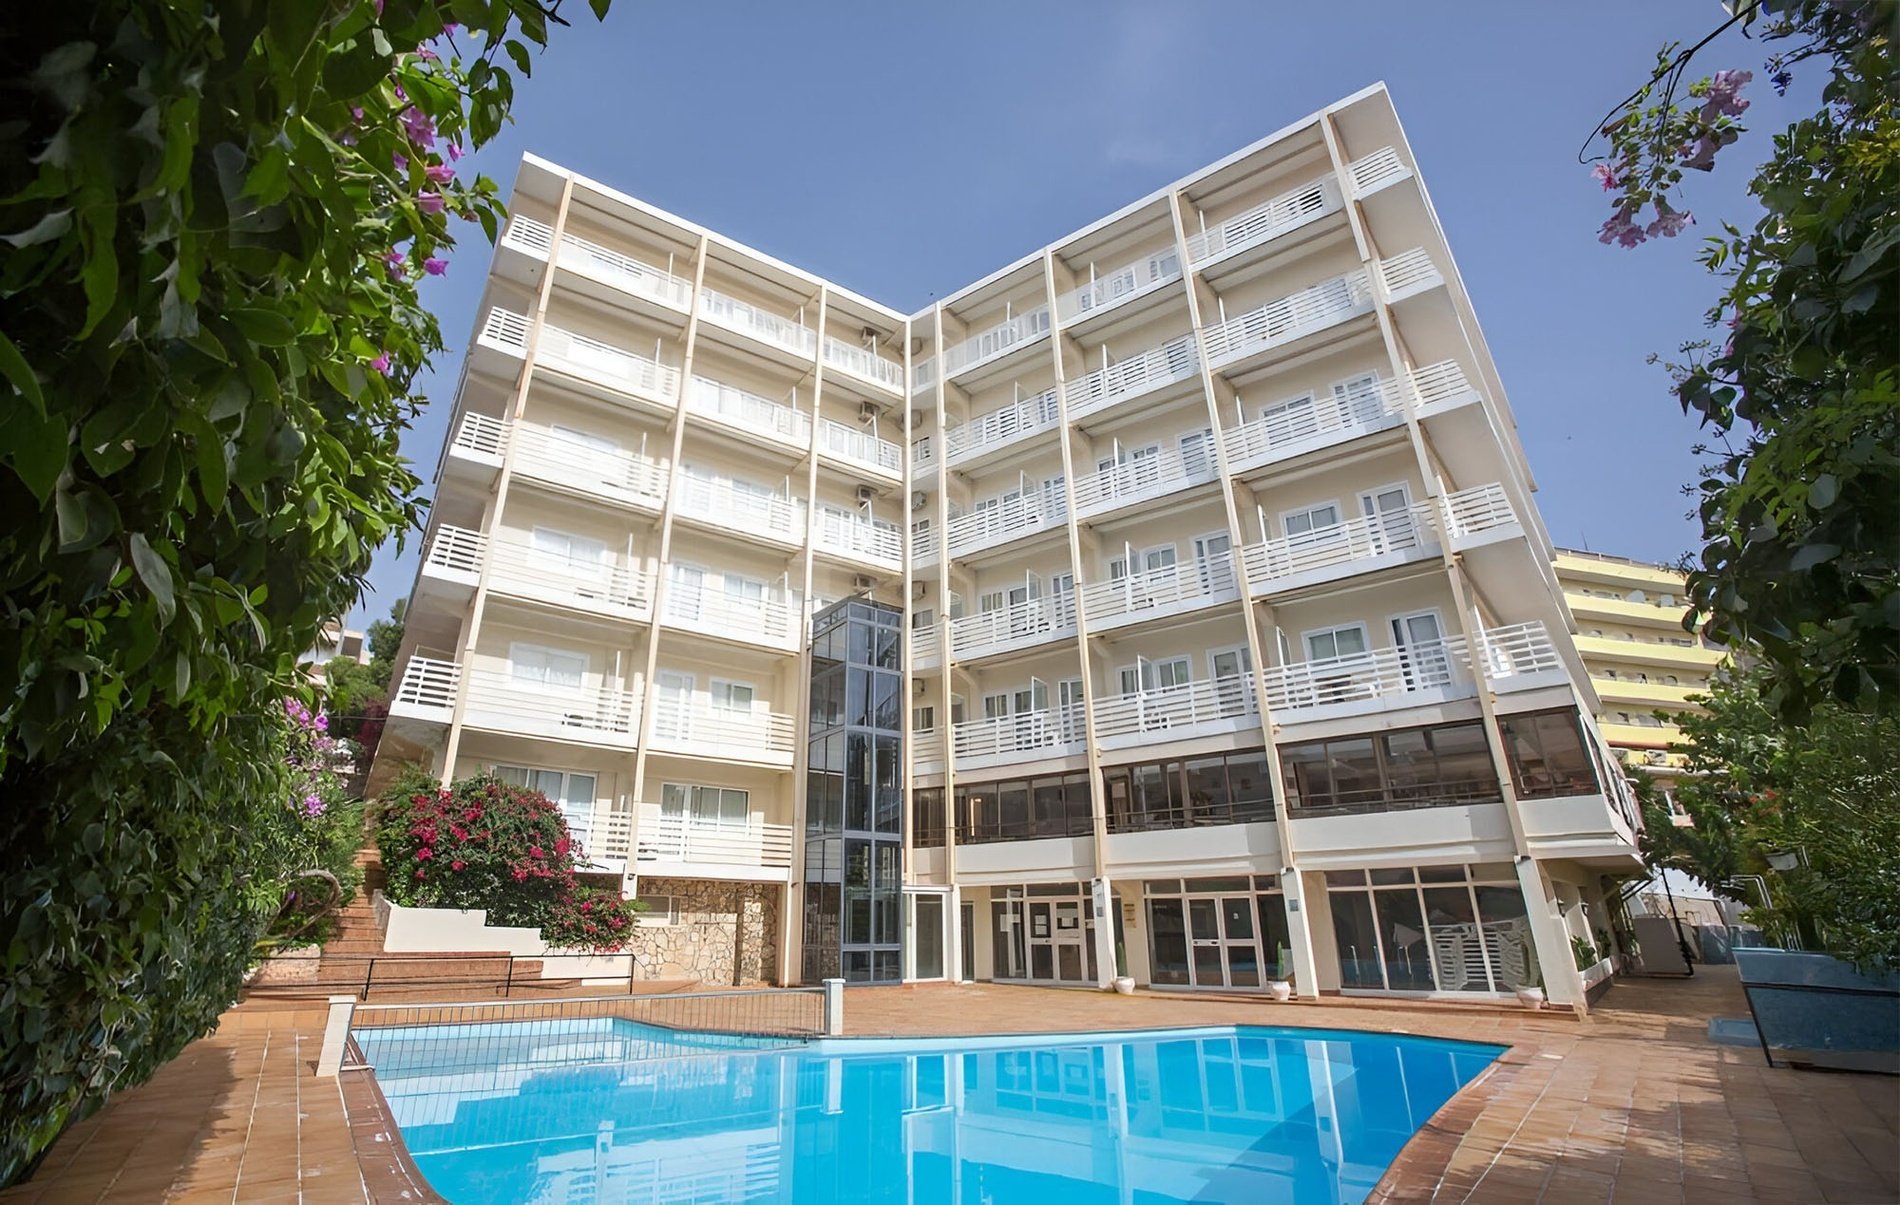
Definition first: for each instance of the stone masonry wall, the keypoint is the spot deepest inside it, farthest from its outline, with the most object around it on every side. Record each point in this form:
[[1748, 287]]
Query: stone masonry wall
[[727, 933]]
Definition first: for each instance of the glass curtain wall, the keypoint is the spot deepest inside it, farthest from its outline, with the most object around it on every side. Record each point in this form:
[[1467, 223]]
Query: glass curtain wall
[[1431, 929]]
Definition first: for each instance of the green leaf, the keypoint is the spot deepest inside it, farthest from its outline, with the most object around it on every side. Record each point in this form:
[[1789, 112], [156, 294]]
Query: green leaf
[[156, 574], [267, 328], [355, 70], [600, 8], [100, 273], [35, 444], [1811, 555], [1823, 492], [19, 373], [47, 228], [519, 54]]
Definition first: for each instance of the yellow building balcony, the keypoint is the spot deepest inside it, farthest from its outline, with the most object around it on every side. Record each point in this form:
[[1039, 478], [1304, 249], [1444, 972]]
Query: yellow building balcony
[[1649, 695], [1645, 652]]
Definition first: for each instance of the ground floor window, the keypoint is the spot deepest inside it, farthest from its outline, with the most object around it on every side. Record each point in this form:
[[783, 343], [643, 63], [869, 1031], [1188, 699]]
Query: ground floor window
[[1431, 929], [1217, 932], [1044, 932]]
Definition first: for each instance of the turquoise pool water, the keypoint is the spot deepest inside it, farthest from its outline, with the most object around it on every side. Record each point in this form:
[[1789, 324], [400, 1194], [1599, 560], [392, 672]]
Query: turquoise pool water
[[616, 1111]]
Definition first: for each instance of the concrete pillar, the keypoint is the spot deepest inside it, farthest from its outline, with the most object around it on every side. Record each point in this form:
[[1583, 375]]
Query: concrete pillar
[[336, 1036], [1309, 922], [1549, 935], [834, 1008]]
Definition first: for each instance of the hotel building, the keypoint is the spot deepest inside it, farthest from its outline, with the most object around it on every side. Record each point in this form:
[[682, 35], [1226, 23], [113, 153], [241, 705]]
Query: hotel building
[[1172, 601]]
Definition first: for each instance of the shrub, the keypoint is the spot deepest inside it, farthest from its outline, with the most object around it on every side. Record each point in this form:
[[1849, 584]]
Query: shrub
[[594, 918]]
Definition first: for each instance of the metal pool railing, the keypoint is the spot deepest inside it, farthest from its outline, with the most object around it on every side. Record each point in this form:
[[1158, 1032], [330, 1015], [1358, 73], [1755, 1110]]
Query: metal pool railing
[[711, 1020]]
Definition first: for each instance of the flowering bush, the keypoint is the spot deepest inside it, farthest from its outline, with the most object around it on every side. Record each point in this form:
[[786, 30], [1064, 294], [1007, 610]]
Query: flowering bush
[[311, 834], [483, 843]]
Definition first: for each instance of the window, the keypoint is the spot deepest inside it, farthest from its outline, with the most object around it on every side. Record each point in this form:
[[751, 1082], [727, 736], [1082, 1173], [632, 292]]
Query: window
[[1391, 771], [1218, 788], [1347, 640], [657, 910], [1358, 399], [566, 550], [573, 793], [731, 696], [1156, 675], [704, 804], [923, 719], [535, 665], [596, 443], [739, 588], [1547, 754], [1290, 420], [1313, 519]]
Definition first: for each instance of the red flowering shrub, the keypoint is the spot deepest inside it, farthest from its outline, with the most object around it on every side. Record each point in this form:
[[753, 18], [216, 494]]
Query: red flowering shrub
[[484, 843]]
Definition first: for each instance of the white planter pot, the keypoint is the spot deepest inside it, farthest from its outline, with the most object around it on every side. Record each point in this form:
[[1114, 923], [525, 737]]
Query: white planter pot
[[1125, 985], [1280, 989], [1531, 997]]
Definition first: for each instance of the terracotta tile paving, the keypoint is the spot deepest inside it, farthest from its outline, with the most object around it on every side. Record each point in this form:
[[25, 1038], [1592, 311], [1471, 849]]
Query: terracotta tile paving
[[1632, 1104]]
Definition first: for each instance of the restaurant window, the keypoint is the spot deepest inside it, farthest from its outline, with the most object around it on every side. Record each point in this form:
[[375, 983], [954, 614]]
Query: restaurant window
[[1392, 771], [1547, 754]]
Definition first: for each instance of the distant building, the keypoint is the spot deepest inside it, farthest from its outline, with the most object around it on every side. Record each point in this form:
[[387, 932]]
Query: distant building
[[334, 641]]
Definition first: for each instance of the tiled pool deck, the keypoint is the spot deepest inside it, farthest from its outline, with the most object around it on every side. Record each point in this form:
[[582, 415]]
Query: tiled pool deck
[[1633, 1104]]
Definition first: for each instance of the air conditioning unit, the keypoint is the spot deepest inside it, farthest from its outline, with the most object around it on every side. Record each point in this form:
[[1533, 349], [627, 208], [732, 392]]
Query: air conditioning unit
[[866, 493], [918, 418], [919, 500], [864, 581], [867, 411]]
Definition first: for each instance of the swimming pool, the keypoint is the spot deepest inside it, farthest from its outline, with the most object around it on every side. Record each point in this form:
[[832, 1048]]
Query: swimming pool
[[612, 1110]]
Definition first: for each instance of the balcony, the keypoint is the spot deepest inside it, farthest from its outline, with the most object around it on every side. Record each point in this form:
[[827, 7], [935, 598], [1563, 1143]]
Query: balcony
[[499, 702], [740, 510], [1026, 736], [1011, 519], [1123, 285], [860, 449], [1297, 427], [699, 729], [573, 465], [773, 620], [749, 414], [1143, 479], [923, 455], [1521, 656], [1441, 387], [1189, 710], [1408, 274], [674, 845], [1000, 428], [997, 341], [1381, 169], [1113, 384], [519, 570], [864, 364], [926, 648], [477, 445], [926, 751], [1288, 318], [610, 267], [923, 544], [782, 334], [427, 689], [1480, 515], [1022, 625], [580, 356], [1382, 679], [1159, 594], [1327, 554], [1264, 222], [859, 538]]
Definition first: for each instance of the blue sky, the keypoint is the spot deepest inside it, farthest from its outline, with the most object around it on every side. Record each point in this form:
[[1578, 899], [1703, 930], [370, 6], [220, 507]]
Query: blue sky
[[904, 150]]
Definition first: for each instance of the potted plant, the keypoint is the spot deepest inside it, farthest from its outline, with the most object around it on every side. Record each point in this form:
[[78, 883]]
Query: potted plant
[[1124, 982], [1280, 987], [1531, 994]]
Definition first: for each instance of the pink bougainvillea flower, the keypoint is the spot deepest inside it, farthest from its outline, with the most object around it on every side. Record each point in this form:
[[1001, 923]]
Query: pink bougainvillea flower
[[379, 6], [455, 151], [449, 27], [1669, 223], [1723, 98], [394, 258], [401, 163], [431, 202], [1621, 229], [381, 363], [424, 854], [419, 126], [458, 864], [1606, 175], [424, 53], [434, 266], [441, 173]]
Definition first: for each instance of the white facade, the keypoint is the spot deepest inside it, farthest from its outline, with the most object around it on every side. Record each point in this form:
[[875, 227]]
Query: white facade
[[1230, 605]]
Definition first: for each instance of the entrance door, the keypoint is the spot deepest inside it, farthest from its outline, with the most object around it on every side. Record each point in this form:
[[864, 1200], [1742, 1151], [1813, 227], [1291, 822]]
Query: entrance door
[[1224, 945], [686, 593], [675, 699], [1214, 554], [1389, 514], [1230, 669]]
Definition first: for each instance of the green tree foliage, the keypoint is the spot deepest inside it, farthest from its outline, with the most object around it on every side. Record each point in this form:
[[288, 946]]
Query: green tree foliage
[[358, 693], [1801, 390], [1827, 794], [214, 214]]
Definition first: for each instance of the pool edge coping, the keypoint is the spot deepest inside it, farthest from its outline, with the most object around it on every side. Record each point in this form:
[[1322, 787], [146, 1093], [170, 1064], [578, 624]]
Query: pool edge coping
[[1425, 1158]]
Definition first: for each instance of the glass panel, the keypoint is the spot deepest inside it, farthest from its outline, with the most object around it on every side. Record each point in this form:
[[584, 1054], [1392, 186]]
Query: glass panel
[[1208, 968], [1506, 929], [1275, 941], [1388, 878], [1168, 943], [1203, 920], [1243, 964], [1356, 939], [1408, 964], [1457, 944], [1237, 918], [1069, 962]]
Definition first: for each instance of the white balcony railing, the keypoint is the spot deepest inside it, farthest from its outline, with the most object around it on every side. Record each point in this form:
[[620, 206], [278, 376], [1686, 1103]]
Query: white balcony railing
[[1152, 713], [597, 715], [527, 235], [1265, 221], [854, 535], [860, 447], [1288, 318], [1440, 385], [1367, 539], [506, 330], [571, 463], [1123, 284], [749, 319], [696, 727], [610, 841], [761, 415], [999, 428], [523, 571], [1293, 428], [926, 649], [1010, 519], [774, 619], [1476, 510], [1409, 273], [927, 747], [864, 363], [1436, 668], [603, 263], [428, 684], [1034, 621], [1047, 732], [479, 435], [456, 550], [1519, 650], [1184, 587], [923, 455], [923, 543], [672, 837], [740, 509], [1158, 366], [989, 344], [583, 356], [923, 374], [1140, 479], [1375, 171]]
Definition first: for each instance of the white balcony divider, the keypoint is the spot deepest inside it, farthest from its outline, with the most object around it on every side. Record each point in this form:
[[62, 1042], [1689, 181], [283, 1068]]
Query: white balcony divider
[[716, 399], [1375, 171], [1147, 712], [1023, 736], [480, 435], [601, 714], [1520, 648], [519, 569], [625, 272], [612, 836], [923, 374], [1133, 481], [923, 454], [1018, 420], [1180, 587], [528, 235], [1267, 220], [859, 446], [428, 682], [1328, 420], [927, 746], [772, 620], [696, 726], [1409, 272], [923, 544], [1478, 509], [1360, 539], [1440, 384], [988, 525], [505, 329], [717, 500], [864, 363], [1172, 361], [1288, 318], [1123, 284], [674, 837], [607, 472], [1389, 674], [925, 648], [749, 319], [456, 550], [991, 343], [856, 535], [1030, 622]]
